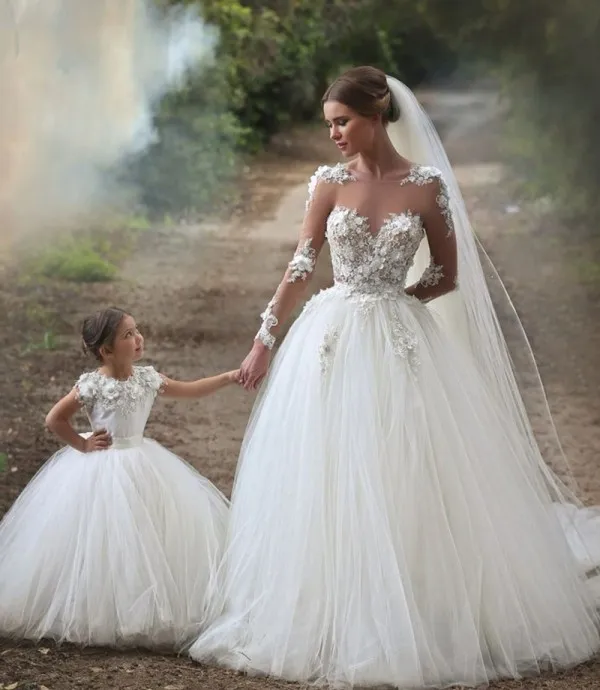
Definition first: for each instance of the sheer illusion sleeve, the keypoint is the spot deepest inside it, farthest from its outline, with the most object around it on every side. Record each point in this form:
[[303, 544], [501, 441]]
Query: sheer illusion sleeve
[[440, 276], [302, 264]]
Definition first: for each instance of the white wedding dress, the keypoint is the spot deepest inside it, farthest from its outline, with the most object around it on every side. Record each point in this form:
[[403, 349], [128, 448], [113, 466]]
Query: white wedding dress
[[114, 547], [386, 527]]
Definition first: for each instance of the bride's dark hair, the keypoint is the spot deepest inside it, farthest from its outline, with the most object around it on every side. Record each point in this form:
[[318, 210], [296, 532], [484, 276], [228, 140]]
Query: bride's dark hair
[[101, 329], [364, 90]]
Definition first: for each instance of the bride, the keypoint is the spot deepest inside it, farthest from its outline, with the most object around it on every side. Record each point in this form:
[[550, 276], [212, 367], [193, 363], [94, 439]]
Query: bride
[[393, 520]]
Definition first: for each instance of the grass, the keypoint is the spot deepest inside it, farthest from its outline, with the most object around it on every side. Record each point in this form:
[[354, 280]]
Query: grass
[[40, 325], [587, 271], [75, 262], [91, 255], [47, 342]]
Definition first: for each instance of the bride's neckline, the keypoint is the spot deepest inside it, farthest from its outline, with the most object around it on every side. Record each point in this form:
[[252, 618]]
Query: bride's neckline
[[398, 180], [388, 219]]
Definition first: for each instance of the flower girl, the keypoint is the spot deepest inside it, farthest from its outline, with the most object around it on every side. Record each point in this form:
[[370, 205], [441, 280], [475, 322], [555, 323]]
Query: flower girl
[[116, 540]]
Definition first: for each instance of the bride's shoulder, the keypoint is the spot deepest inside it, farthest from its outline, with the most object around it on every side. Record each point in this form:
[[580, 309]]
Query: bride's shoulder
[[329, 174], [431, 180], [425, 174]]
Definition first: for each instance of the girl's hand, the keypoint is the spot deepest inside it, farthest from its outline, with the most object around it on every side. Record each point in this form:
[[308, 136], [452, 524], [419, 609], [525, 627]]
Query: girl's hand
[[234, 376], [99, 440], [254, 368]]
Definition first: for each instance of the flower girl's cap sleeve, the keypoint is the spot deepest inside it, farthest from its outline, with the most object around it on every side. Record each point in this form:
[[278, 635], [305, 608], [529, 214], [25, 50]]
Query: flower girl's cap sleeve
[[85, 389], [156, 382]]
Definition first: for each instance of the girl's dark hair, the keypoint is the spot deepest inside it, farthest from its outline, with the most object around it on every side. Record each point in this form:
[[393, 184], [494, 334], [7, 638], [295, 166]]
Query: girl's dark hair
[[100, 329], [364, 90]]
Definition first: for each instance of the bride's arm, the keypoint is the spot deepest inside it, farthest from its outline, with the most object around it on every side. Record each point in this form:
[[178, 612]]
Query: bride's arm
[[440, 277], [293, 284]]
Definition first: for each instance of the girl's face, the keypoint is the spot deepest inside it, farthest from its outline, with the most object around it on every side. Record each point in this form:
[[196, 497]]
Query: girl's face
[[352, 133], [128, 346]]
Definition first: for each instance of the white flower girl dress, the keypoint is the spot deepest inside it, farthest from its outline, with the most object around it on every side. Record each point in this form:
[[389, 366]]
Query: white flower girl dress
[[114, 547]]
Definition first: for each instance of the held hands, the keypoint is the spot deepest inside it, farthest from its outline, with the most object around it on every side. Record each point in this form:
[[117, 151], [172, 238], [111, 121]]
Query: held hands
[[233, 376], [99, 440], [254, 368]]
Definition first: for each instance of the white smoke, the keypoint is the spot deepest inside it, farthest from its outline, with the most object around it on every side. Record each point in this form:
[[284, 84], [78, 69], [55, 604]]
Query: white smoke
[[79, 81]]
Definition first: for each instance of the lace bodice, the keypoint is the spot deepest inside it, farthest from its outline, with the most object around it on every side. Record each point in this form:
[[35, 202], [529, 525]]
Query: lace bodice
[[376, 261], [120, 407], [368, 261], [372, 263]]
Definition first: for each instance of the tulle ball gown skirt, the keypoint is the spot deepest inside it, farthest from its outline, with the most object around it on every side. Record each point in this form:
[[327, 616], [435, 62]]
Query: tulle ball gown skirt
[[385, 527], [117, 547]]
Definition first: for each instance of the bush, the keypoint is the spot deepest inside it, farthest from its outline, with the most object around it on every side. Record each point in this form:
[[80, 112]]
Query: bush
[[92, 255], [75, 262]]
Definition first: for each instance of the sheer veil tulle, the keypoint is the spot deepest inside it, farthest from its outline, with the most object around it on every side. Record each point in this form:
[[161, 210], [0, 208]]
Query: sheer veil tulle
[[470, 313]]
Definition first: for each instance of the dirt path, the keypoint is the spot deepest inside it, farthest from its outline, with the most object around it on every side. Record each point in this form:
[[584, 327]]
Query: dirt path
[[198, 293]]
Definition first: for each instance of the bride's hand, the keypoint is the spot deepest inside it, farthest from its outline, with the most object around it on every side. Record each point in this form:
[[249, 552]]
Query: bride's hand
[[254, 368]]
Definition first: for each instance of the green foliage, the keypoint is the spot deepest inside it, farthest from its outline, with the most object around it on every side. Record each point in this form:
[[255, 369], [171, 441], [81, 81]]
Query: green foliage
[[548, 54], [46, 342], [89, 256], [40, 321], [75, 261], [273, 63], [194, 157], [3, 462], [584, 269]]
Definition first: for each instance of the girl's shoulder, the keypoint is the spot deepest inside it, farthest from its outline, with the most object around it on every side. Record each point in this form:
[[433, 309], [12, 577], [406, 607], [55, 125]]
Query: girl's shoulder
[[86, 386]]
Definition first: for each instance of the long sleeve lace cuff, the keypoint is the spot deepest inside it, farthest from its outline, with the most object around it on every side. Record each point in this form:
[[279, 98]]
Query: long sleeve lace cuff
[[269, 320]]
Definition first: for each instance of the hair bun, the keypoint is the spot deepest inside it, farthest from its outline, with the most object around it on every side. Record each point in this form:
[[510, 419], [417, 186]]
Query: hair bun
[[366, 91], [100, 329]]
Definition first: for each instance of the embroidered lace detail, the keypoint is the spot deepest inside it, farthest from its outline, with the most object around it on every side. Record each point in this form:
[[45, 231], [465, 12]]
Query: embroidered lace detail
[[443, 202], [421, 175], [418, 174], [338, 174], [303, 263], [164, 384], [426, 174], [327, 348], [93, 388], [431, 275], [405, 343], [365, 302], [269, 320], [376, 264]]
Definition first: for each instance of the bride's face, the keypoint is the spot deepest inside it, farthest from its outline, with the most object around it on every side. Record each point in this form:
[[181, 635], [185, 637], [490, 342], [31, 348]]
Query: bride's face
[[352, 133]]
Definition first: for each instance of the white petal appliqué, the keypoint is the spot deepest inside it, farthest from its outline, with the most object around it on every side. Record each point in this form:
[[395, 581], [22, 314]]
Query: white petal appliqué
[[303, 263], [405, 343], [432, 275], [327, 348]]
